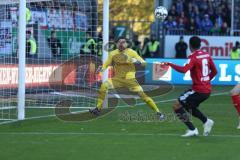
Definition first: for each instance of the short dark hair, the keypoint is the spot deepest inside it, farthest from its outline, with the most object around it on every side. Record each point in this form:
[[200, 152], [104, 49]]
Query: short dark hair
[[234, 48], [195, 42], [52, 32], [237, 43], [121, 37], [28, 32]]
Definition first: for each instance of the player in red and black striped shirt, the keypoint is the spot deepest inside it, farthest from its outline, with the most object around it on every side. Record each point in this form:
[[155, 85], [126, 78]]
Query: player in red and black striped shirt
[[203, 70]]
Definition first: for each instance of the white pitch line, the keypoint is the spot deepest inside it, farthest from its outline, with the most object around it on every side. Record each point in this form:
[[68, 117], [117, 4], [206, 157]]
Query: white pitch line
[[54, 115], [124, 106], [34, 107], [72, 95], [171, 100], [111, 134], [138, 104], [117, 96], [9, 121]]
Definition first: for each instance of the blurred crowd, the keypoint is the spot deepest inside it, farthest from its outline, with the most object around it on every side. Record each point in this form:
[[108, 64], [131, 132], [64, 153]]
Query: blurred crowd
[[205, 16], [150, 48]]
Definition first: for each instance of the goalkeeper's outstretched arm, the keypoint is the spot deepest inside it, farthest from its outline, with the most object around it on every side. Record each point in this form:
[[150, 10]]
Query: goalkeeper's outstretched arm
[[138, 58]]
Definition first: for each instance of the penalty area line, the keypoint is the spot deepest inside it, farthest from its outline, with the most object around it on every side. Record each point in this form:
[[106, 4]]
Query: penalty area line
[[124, 106], [171, 100]]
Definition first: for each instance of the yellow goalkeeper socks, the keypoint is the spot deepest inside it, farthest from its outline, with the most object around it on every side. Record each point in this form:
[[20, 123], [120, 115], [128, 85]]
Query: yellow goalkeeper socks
[[101, 97], [152, 104], [148, 101], [99, 103], [100, 100]]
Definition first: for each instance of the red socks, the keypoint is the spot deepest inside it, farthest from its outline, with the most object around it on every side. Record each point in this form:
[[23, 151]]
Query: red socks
[[236, 102]]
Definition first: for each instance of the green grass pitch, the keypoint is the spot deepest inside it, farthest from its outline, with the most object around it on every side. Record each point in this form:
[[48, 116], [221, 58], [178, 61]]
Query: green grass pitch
[[115, 138]]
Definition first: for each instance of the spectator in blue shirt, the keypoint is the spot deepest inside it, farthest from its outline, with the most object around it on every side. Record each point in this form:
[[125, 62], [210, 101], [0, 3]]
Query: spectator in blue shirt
[[198, 21], [206, 23], [179, 6], [191, 27], [170, 23], [173, 11], [181, 24], [219, 19]]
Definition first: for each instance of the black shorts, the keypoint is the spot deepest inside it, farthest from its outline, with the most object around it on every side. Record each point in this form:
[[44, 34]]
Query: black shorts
[[191, 99]]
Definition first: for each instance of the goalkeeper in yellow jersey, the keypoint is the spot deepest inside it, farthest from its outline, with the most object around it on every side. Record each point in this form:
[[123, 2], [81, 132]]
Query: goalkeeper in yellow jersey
[[122, 60]]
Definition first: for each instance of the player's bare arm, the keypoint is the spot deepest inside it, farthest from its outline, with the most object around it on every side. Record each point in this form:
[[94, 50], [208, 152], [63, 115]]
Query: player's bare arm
[[182, 69]]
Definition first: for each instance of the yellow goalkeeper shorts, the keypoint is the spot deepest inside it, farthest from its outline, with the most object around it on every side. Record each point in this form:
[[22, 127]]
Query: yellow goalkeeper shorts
[[131, 84]]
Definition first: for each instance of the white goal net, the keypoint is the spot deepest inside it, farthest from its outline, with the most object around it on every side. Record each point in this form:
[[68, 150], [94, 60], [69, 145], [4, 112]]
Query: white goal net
[[63, 55]]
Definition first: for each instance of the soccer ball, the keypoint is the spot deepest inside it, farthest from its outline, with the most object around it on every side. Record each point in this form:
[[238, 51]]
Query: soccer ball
[[161, 13]]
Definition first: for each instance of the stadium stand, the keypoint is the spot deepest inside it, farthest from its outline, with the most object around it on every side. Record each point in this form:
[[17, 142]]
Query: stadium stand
[[197, 16]]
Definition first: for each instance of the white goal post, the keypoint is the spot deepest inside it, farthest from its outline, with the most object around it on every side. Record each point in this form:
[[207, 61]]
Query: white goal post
[[105, 40], [22, 58]]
